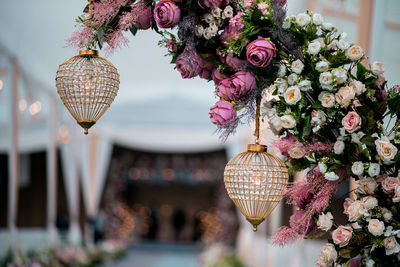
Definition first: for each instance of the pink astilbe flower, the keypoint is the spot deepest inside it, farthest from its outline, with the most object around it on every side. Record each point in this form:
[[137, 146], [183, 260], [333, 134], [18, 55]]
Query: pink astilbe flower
[[106, 10], [141, 16], [321, 200], [81, 38], [285, 236], [298, 194], [115, 40], [319, 147], [286, 143]]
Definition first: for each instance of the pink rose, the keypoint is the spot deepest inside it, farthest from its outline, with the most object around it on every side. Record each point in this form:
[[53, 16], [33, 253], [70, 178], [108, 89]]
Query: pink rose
[[380, 81], [301, 222], [189, 64], [389, 184], [211, 4], [248, 3], [144, 19], [236, 22], [222, 112], [342, 235], [280, 2], [352, 122], [167, 14], [260, 52], [346, 204], [218, 76], [236, 86], [234, 62], [171, 45]]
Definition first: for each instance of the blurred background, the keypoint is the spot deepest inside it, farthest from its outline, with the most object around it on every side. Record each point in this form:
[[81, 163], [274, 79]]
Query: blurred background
[[148, 179]]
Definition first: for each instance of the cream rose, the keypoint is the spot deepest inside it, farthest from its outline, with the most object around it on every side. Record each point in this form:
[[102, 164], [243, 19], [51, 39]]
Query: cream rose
[[352, 122], [325, 221], [358, 87], [292, 78], [354, 53], [314, 48], [303, 19], [386, 150], [369, 202], [355, 210], [305, 85], [342, 45], [342, 235], [326, 78], [391, 245], [389, 184], [345, 95], [357, 168], [288, 121], [340, 75], [366, 186], [292, 95], [377, 68], [396, 197], [376, 227], [297, 152], [328, 253], [387, 214], [327, 99], [322, 66]]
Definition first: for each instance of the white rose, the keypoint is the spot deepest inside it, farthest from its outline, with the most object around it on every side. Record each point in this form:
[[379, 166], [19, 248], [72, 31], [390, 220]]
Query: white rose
[[340, 75], [292, 95], [322, 167], [357, 168], [396, 197], [314, 48], [303, 19], [376, 227], [292, 78], [356, 225], [228, 12], [338, 147], [317, 19], [328, 253], [322, 66], [344, 96], [342, 44], [209, 18], [198, 30], [355, 210], [318, 118], [275, 123], [325, 221], [366, 185], [332, 46], [377, 68], [282, 71], [213, 29], [282, 85], [391, 245], [327, 26], [356, 137], [354, 53], [297, 152], [208, 34], [321, 41], [370, 263], [327, 99], [326, 78], [387, 214], [304, 85], [374, 169], [358, 87], [331, 176], [297, 66], [386, 150], [286, 23], [369, 202], [288, 121], [216, 12]]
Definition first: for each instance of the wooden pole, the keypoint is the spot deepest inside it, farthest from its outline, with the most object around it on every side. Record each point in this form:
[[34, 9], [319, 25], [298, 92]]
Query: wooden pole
[[364, 21], [13, 162], [52, 172]]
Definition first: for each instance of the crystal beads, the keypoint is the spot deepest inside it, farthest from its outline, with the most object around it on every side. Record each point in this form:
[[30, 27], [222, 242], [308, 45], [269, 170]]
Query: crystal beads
[[255, 181], [87, 85]]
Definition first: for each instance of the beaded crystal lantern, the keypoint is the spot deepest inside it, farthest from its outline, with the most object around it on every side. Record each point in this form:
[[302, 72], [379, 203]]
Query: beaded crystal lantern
[[87, 85], [255, 180]]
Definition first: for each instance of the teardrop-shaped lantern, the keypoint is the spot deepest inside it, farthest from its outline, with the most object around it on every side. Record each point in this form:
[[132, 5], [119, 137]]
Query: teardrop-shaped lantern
[[87, 85], [255, 181]]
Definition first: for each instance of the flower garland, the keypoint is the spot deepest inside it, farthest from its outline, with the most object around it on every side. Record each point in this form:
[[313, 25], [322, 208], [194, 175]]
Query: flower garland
[[327, 107]]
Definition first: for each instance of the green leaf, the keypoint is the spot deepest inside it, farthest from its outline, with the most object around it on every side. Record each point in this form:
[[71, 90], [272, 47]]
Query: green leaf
[[361, 70], [317, 104], [256, 16], [133, 30], [86, 9], [307, 126], [370, 80], [345, 253], [100, 36], [394, 105], [368, 140]]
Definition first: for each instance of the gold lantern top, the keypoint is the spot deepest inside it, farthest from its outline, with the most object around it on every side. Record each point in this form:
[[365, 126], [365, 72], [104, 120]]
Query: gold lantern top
[[255, 181], [87, 85]]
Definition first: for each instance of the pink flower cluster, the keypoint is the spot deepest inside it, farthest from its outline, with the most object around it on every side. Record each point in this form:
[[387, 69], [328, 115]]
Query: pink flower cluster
[[237, 86]]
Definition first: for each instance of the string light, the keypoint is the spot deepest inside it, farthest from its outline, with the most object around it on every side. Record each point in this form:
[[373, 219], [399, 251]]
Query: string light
[[1, 85], [35, 108]]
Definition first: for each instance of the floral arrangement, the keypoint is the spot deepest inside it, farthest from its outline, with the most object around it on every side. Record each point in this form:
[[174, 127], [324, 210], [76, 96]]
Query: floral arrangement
[[68, 256], [334, 114]]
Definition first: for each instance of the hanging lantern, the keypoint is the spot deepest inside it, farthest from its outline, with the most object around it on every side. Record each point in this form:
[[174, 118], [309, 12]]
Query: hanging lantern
[[255, 180], [87, 85]]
